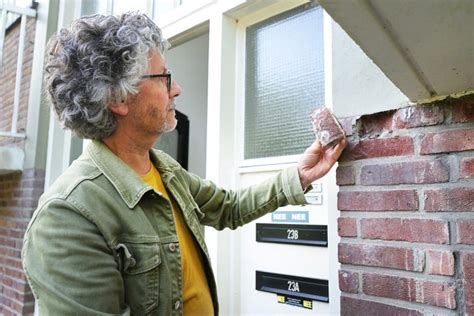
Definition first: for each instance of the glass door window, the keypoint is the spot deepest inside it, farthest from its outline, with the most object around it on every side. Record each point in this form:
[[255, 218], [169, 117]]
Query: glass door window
[[284, 82]]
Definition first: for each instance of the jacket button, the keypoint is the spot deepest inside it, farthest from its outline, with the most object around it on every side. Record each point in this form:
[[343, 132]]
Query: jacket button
[[177, 304], [172, 248]]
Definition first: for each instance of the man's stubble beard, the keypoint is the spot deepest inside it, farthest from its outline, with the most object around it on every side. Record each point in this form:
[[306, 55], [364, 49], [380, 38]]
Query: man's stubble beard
[[166, 128]]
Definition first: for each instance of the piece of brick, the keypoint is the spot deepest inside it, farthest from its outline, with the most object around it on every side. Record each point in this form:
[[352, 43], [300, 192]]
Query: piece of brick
[[326, 127]]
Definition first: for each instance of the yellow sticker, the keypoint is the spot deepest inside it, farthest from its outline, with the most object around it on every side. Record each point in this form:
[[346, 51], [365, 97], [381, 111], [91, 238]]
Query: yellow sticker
[[308, 304], [281, 298]]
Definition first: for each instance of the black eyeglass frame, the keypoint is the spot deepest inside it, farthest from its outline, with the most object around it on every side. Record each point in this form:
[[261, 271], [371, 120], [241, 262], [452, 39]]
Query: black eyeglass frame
[[166, 75]]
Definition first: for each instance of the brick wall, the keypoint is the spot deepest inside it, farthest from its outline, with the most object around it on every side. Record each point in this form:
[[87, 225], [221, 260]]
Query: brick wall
[[8, 77], [19, 194], [407, 211]]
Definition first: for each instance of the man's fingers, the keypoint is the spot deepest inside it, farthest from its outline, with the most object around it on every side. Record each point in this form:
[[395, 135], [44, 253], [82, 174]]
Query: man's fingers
[[337, 150], [315, 147]]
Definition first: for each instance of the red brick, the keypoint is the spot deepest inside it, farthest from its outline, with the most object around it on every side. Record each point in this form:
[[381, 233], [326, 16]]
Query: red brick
[[381, 147], [459, 199], [396, 200], [345, 175], [27, 309], [416, 116], [405, 172], [467, 267], [376, 123], [382, 256], [33, 173], [14, 273], [465, 231], [6, 312], [406, 229], [440, 262], [409, 117], [467, 167], [349, 281], [448, 141], [357, 307], [463, 110], [440, 294], [11, 293], [347, 227]]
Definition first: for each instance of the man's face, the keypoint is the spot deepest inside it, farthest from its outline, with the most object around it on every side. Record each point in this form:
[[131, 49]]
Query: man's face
[[153, 108]]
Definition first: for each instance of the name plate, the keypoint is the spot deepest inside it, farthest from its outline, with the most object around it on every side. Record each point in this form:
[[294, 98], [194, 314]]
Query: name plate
[[290, 216], [291, 285], [310, 235]]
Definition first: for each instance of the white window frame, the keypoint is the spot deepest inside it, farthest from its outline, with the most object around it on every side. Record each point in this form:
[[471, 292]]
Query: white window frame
[[252, 165]]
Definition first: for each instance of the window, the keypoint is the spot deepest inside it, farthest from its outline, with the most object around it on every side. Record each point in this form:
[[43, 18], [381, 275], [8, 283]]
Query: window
[[284, 82]]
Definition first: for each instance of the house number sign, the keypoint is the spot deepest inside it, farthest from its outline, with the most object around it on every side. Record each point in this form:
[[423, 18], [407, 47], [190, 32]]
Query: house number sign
[[294, 286], [311, 235]]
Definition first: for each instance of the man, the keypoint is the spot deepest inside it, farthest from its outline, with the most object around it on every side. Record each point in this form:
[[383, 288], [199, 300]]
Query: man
[[120, 232]]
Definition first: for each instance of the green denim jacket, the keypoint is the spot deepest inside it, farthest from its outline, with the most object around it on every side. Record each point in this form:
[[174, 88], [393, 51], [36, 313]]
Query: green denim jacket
[[103, 242]]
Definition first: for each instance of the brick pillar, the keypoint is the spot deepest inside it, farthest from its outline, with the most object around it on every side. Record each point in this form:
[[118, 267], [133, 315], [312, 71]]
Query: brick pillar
[[19, 193], [407, 211]]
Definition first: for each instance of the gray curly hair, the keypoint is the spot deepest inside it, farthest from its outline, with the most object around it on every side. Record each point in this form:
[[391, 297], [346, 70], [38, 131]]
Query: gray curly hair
[[98, 59]]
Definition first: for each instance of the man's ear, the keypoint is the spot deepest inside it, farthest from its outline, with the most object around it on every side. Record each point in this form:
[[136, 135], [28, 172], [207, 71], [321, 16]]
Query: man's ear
[[118, 108]]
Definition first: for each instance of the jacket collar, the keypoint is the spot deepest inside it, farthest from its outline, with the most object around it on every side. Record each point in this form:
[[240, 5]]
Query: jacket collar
[[125, 180]]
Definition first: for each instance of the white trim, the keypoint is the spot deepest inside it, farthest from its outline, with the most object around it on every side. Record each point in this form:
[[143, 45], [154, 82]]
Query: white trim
[[59, 140], [332, 188], [185, 18], [184, 13], [267, 160], [14, 135], [38, 110], [270, 9], [3, 24], [19, 74], [220, 162], [327, 40], [264, 168], [18, 10]]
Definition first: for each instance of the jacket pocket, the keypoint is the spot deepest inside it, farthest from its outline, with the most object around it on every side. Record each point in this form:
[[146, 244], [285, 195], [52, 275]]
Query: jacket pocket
[[140, 263]]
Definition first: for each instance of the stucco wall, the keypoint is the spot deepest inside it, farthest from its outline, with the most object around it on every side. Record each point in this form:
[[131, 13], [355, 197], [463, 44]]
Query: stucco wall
[[359, 86]]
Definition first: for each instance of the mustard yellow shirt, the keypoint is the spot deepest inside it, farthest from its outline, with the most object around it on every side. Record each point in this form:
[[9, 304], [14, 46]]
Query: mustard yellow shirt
[[196, 295]]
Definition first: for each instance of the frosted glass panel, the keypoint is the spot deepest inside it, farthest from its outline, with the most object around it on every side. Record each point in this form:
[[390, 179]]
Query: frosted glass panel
[[284, 82]]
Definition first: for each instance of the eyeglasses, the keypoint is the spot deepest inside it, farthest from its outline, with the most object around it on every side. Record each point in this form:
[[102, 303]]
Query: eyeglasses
[[166, 75]]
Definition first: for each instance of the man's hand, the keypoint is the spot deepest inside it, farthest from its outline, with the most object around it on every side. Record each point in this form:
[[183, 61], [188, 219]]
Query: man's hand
[[317, 161]]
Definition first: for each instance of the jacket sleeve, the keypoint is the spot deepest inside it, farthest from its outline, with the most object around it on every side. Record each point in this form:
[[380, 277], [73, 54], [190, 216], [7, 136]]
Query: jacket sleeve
[[70, 268], [232, 209]]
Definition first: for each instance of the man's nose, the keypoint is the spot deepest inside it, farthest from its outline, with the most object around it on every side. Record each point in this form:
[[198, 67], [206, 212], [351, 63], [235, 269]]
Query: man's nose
[[175, 89]]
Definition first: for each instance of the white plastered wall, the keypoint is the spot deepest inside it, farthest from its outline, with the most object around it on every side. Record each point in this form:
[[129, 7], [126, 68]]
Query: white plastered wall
[[359, 86]]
